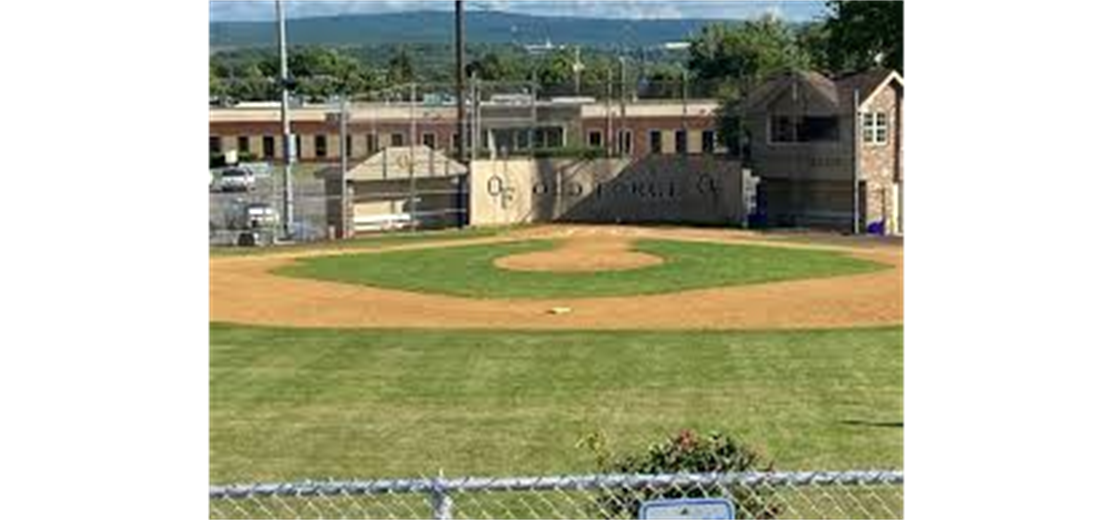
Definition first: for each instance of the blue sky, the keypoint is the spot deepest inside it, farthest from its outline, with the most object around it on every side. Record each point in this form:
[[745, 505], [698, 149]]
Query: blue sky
[[221, 10]]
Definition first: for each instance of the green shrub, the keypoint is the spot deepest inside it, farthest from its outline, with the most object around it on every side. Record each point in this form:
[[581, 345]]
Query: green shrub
[[686, 452]]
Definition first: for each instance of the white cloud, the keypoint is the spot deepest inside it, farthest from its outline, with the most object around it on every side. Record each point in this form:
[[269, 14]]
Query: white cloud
[[632, 9]]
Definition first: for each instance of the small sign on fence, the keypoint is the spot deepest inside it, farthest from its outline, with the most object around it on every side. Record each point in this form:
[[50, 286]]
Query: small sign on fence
[[692, 509]]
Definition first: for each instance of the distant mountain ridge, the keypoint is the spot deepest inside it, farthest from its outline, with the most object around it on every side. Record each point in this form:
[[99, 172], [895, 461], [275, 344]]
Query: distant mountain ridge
[[438, 27]]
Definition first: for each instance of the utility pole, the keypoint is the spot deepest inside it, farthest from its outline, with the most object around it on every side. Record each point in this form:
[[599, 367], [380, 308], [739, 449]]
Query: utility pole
[[287, 135], [856, 136], [621, 133], [685, 103], [460, 80], [609, 110], [412, 157], [344, 151], [475, 122]]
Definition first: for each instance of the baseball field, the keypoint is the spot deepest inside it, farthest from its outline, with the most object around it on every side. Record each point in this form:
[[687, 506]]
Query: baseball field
[[494, 352]]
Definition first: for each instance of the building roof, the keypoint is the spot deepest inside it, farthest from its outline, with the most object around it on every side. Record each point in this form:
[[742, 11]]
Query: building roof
[[839, 92], [399, 162], [367, 112], [868, 83], [769, 89]]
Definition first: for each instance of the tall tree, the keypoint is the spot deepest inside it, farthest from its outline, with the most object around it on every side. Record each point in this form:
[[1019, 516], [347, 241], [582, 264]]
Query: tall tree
[[864, 35], [813, 39], [731, 59], [497, 66], [216, 87], [731, 54], [400, 68]]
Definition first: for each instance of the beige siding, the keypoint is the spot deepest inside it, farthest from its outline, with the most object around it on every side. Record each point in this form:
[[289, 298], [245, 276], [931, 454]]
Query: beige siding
[[254, 144], [668, 141], [333, 146], [358, 145], [693, 141]]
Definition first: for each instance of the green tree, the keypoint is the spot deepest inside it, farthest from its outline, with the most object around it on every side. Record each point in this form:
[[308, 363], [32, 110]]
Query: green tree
[[734, 54], [497, 66], [400, 68], [732, 59], [322, 72], [664, 81], [865, 35], [557, 68], [216, 86], [813, 39]]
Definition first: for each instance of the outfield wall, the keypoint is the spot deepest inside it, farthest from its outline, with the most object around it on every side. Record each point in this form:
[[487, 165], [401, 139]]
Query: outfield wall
[[654, 189]]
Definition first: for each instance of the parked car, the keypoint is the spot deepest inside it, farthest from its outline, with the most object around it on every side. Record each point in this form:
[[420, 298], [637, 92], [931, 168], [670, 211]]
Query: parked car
[[240, 214], [236, 179], [260, 215]]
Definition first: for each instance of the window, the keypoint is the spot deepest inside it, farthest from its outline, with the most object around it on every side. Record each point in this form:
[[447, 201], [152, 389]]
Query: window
[[244, 144], [626, 142], [372, 143], [819, 129], [297, 148], [350, 151], [655, 137], [321, 143], [549, 137], [875, 128], [680, 144], [782, 129], [708, 141], [596, 140], [521, 140], [268, 146], [804, 129], [429, 140], [397, 139], [214, 145], [455, 142]]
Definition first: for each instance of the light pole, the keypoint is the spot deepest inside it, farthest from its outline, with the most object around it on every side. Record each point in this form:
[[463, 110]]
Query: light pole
[[290, 155]]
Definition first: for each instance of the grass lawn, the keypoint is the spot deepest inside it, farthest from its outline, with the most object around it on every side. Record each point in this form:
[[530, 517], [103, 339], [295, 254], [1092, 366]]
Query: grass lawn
[[469, 270], [368, 241], [294, 404]]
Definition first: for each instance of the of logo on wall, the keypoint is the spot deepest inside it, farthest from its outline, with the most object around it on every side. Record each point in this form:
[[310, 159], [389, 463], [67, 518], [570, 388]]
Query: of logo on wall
[[500, 190]]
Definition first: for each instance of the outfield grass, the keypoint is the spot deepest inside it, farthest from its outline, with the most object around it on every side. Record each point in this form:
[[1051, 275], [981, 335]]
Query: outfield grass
[[294, 404], [469, 270], [364, 242]]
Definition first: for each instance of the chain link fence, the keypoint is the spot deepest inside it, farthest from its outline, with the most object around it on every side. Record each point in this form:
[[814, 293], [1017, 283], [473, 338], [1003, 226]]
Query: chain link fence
[[845, 494], [401, 143], [246, 205]]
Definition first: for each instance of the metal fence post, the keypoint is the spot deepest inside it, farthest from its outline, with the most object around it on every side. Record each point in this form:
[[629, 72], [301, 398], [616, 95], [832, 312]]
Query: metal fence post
[[441, 501]]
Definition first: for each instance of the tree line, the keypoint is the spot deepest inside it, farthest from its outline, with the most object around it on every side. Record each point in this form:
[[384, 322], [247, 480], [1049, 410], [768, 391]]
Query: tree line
[[723, 61]]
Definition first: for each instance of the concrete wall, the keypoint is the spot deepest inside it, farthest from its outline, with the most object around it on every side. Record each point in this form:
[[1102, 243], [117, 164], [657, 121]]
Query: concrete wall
[[808, 202], [654, 189]]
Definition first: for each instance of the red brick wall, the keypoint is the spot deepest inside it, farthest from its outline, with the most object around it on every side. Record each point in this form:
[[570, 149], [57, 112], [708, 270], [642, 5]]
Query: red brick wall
[[444, 129]]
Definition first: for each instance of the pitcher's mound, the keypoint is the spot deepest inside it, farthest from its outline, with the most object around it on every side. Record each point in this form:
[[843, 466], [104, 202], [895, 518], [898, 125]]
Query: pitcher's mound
[[582, 254]]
